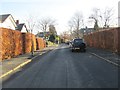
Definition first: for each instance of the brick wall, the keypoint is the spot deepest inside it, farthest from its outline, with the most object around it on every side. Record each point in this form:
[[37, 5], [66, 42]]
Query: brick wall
[[107, 39], [118, 40]]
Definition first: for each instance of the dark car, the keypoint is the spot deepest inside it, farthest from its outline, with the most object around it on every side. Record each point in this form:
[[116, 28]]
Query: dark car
[[78, 44]]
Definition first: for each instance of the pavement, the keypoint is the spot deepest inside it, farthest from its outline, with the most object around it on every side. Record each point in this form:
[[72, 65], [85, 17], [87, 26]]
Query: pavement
[[10, 65], [106, 55]]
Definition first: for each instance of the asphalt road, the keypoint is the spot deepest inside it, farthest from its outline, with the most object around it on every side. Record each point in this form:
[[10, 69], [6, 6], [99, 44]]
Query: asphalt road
[[62, 68]]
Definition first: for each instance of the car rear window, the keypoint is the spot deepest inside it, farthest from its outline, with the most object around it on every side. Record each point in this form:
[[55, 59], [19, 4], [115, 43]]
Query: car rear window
[[78, 40]]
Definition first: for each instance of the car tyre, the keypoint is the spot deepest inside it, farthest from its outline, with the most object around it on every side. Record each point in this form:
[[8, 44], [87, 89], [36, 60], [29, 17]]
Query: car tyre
[[84, 50], [72, 50]]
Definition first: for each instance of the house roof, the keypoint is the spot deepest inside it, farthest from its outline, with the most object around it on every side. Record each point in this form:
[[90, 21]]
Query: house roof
[[41, 34], [86, 28], [20, 26], [4, 17]]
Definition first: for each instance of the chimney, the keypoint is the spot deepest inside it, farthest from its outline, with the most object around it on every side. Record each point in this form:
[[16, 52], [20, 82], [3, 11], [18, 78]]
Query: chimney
[[17, 22]]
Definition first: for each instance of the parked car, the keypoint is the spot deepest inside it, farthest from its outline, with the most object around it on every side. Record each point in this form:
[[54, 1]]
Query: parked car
[[78, 44]]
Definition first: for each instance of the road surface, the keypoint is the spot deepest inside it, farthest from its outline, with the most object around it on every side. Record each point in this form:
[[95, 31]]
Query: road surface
[[61, 68]]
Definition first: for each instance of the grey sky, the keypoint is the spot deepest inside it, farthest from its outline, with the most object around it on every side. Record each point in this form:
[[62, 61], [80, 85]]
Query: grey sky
[[61, 10]]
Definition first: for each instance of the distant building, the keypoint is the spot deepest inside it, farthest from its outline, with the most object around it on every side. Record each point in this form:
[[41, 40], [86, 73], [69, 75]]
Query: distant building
[[7, 21], [21, 27], [86, 30], [43, 34]]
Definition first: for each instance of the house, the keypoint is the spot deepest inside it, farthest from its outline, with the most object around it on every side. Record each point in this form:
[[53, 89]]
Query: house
[[7, 21], [86, 30], [43, 34], [21, 27]]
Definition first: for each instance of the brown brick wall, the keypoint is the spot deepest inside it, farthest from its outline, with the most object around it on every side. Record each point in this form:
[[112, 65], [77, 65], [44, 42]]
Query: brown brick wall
[[118, 40], [107, 39]]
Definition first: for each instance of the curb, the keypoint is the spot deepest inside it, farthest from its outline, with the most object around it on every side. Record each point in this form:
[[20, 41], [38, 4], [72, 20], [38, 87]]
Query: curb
[[21, 65], [104, 59]]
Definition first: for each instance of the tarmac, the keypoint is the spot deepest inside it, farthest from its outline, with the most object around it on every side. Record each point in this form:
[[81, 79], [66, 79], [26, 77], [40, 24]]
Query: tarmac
[[106, 55], [11, 65]]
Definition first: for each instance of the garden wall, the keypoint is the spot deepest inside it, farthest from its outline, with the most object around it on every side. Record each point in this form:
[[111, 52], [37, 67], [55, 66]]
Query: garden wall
[[106, 39]]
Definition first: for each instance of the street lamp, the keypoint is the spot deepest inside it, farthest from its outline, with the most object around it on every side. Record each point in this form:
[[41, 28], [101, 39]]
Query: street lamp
[[32, 48]]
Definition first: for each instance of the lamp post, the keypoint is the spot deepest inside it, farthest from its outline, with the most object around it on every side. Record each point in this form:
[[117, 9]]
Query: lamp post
[[32, 48]]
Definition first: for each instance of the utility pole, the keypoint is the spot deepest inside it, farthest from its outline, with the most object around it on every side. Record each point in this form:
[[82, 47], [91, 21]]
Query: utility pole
[[32, 48]]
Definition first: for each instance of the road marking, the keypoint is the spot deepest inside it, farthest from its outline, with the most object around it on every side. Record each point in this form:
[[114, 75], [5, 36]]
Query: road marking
[[104, 59], [6, 74], [39, 54], [19, 66]]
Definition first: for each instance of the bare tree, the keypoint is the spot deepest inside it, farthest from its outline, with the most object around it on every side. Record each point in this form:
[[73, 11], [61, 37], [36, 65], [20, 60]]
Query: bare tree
[[107, 17], [31, 23], [75, 24], [43, 24], [96, 16], [103, 17], [71, 26], [65, 36]]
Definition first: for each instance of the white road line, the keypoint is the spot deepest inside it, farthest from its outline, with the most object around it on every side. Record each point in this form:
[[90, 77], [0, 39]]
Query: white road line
[[104, 59], [19, 66]]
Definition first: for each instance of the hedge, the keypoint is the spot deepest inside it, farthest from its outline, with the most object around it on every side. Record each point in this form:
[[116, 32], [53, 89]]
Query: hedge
[[40, 43], [11, 43], [14, 43], [28, 40]]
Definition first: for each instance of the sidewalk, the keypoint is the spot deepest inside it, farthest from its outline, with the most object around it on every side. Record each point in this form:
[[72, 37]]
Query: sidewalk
[[112, 57], [12, 64]]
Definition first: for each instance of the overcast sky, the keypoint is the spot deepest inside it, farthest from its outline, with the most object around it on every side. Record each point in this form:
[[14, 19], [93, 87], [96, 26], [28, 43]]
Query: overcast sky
[[61, 10]]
